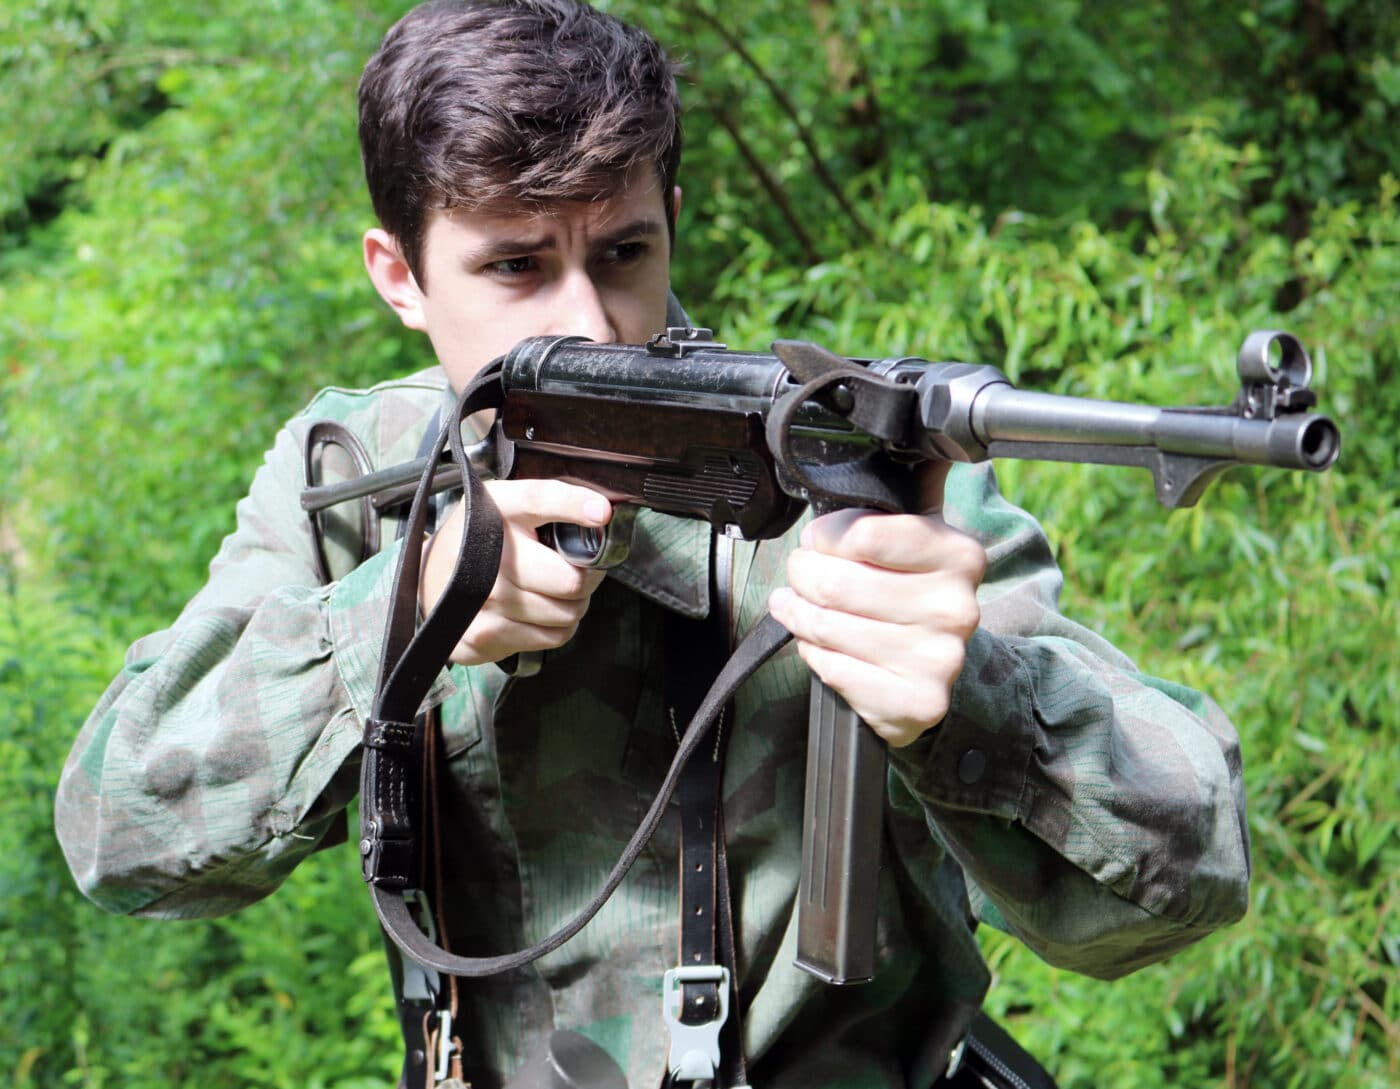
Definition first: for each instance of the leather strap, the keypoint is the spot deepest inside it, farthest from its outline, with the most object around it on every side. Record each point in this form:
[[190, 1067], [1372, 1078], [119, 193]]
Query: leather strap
[[878, 406], [767, 637], [695, 651], [391, 786]]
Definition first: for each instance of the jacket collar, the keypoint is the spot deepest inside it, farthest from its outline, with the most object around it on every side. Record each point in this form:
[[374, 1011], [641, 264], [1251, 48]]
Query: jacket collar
[[669, 563]]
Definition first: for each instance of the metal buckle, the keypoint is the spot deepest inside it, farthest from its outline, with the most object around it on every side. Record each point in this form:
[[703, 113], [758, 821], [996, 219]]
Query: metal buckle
[[955, 1057], [420, 984], [445, 1046], [694, 1048]]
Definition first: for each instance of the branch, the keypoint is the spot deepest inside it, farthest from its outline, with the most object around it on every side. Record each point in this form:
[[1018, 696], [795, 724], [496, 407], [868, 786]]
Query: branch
[[786, 104], [765, 178]]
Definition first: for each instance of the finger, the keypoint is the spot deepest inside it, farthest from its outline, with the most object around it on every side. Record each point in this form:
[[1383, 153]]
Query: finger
[[516, 606], [911, 651], [526, 565], [492, 638], [945, 598], [534, 503], [899, 542], [891, 706], [532, 566]]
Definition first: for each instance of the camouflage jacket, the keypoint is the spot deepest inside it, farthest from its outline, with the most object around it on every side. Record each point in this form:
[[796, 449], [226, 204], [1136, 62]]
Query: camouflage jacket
[[1095, 812]]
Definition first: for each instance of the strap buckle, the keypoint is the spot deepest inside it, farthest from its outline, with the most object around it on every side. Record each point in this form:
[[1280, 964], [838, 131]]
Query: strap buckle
[[694, 1047], [955, 1057], [420, 984], [445, 1046]]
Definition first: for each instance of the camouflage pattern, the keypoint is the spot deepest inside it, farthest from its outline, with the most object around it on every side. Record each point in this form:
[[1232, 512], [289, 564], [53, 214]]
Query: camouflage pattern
[[1095, 812]]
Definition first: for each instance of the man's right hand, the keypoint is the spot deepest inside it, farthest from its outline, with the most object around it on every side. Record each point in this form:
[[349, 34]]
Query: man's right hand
[[539, 597]]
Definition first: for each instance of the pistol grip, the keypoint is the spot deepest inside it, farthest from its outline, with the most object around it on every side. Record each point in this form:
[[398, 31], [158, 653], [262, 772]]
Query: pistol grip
[[840, 842]]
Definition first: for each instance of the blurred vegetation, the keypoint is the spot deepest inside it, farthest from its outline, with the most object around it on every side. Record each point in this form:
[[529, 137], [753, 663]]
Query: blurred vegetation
[[1102, 201]]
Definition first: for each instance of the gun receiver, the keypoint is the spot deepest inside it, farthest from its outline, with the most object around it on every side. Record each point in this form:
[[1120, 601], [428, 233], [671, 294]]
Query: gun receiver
[[746, 441]]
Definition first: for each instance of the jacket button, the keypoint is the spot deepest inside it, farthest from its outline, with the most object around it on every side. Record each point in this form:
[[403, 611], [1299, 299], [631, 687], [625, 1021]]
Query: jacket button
[[972, 765]]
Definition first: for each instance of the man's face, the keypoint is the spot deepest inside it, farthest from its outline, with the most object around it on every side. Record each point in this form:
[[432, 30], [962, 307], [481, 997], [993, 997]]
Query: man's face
[[599, 270]]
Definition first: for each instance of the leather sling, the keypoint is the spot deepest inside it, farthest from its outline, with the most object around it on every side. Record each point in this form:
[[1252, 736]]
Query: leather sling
[[391, 784]]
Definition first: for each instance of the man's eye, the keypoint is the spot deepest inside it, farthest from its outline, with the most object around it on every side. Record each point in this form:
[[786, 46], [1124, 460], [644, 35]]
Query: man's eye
[[512, 266], [625, 252]]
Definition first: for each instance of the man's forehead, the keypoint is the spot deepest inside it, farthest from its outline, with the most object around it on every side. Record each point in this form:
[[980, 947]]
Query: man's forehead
[[635, 194]]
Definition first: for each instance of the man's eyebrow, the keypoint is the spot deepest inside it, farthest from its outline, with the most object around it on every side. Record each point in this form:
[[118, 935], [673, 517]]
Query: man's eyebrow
[[643, 227], [507, 246], [498, 249]]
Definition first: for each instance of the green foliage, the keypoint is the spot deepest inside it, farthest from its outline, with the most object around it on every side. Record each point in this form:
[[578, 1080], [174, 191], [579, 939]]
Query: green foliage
[[69, 88], [290, 992], [1102, 202], [1275, 594], [214, 265], [1054, 109]]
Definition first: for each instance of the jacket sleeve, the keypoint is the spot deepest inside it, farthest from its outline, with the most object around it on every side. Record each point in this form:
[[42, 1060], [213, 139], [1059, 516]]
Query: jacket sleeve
[[221, 753], [1098, 813]]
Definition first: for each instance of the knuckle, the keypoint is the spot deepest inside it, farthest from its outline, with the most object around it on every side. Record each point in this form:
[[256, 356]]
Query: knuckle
[[542, 637], [965, 615], [866, 536], [811, 658], [805, 576], [530, 498], [954, 657], [560, 636], [941, 657], [823, 589], [822, 662], [572, 611], [968, 555], [822, 626], [572, 584], [507, 494], [933, 710]]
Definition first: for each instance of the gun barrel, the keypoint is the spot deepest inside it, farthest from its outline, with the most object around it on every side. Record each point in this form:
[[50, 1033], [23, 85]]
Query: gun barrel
[[1004, 415]]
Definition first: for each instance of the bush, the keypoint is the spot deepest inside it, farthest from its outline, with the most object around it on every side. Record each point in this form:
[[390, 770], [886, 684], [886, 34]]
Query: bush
[[181, 272]]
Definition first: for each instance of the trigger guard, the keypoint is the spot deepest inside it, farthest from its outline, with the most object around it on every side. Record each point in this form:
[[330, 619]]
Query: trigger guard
[[594, 548]]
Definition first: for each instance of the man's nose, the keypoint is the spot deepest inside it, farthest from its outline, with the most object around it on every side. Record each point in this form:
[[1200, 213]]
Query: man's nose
[[583, 311]]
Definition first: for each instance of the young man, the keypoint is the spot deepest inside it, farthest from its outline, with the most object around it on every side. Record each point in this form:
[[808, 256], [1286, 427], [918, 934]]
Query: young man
[[522, 159]]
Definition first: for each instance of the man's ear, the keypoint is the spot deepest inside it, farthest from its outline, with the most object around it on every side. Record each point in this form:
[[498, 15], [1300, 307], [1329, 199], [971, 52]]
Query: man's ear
[[675, 207], [392, 277]]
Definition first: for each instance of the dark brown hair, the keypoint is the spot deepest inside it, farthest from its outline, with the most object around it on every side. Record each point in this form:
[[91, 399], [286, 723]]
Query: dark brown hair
[[511, 103]]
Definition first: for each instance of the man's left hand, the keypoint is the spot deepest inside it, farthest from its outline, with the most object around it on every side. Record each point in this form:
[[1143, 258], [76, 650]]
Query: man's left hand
[[881, 607]]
